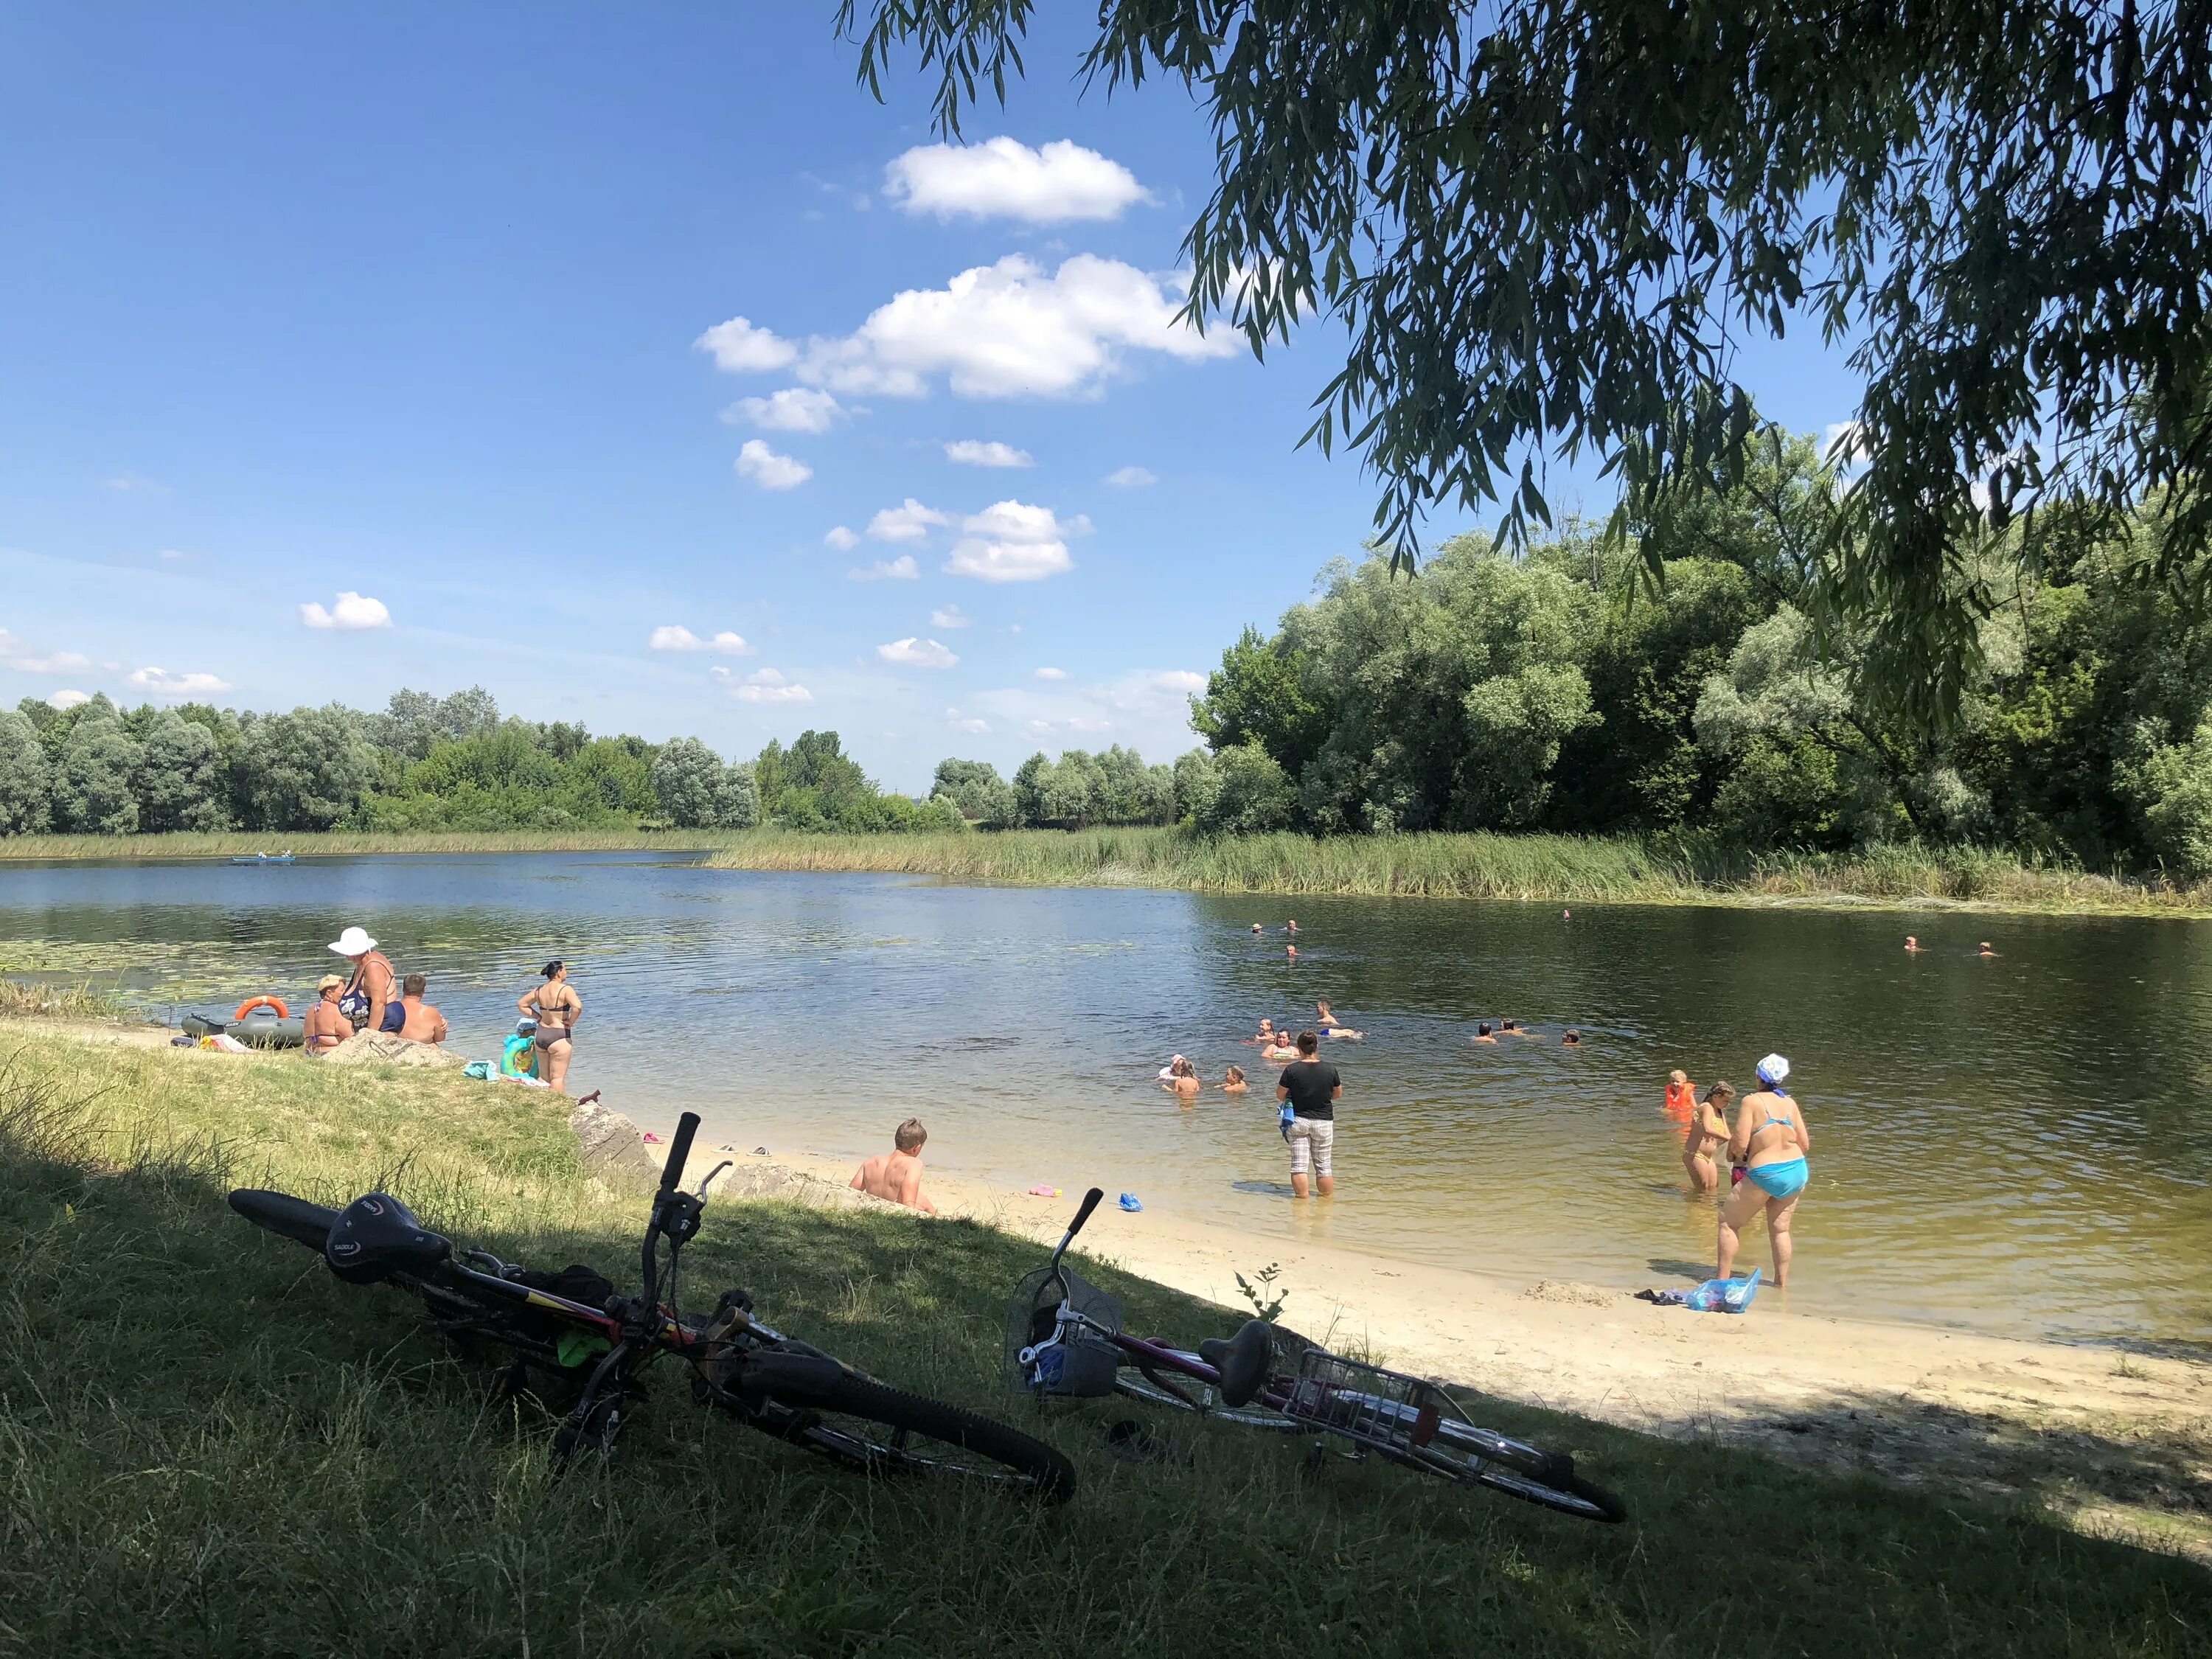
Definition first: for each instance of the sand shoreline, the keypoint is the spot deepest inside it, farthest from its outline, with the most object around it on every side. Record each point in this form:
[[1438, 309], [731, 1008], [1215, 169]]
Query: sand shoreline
[[2114, 1441]]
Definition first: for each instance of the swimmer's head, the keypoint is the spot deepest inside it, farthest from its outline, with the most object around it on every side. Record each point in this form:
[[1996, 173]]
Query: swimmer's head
[[413, 986], [1308, 1043], [910, 1135], [1510, 1025], [1235, 1074], [1678, 1076], [1774, 1071], [1482, 1029], [1573, 1039]]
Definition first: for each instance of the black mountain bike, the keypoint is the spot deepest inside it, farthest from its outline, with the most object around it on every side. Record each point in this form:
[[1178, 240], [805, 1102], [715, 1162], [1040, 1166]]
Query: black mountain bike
[[571, 1335]]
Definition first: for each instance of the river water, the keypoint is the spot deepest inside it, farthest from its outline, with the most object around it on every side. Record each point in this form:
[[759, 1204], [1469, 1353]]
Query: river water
[[2016, 1144]]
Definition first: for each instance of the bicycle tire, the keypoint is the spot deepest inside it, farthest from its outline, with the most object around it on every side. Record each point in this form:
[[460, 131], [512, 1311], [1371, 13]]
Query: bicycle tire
[[1568, 1494], [286, 1216], [813, 1387]]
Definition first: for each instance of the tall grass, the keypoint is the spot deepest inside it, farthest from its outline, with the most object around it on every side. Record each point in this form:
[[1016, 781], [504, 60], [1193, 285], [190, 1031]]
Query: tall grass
[[231, 843], [212, 1447], [1565, 868]]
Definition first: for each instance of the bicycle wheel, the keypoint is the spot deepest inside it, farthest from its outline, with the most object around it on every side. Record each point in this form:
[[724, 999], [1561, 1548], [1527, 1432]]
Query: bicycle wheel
[[1462, 1451], [291, 1217], [819, 1405]]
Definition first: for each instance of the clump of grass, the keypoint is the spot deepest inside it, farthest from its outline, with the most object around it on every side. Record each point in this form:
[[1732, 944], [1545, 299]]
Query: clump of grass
[[1569, 869], [213, 1447], [32, 1000]]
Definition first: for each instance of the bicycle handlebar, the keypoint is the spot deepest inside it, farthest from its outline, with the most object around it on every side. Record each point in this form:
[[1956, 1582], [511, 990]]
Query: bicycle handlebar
[[671, 1175], [1090, 1203]]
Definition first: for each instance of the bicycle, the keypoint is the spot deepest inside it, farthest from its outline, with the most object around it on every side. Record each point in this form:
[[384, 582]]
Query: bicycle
[[573, 1331], [1063, 1337]]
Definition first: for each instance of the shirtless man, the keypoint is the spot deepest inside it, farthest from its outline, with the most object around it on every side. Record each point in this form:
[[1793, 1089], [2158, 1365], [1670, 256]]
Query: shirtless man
[[423, 1023], [896, 1174], [326, 1024], [1482, 1033], [557, 1008]]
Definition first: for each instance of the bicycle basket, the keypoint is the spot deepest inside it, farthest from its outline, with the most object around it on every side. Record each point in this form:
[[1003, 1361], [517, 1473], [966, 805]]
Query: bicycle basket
[[1085, 1366], [1384, 1409]]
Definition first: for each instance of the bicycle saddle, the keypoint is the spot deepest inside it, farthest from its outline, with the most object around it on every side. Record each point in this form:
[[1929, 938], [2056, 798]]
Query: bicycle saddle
[[377, 1237], [1242, 1360]]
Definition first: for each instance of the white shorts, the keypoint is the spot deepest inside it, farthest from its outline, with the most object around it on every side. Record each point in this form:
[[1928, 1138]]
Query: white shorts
[[1312, 1141]]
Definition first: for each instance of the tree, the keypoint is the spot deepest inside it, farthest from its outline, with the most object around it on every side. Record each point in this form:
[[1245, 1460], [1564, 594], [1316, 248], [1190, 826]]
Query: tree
[[415, 722], [687, 780], [1197, 778], [736, 803], [1255, 795], [25, 777], [94, 779], [975, 787], [179, 783], [309, 769], [1259, 694], [1550, 224]]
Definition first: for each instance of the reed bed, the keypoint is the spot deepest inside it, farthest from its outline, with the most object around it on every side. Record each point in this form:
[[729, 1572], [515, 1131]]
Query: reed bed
[[1566, 869]]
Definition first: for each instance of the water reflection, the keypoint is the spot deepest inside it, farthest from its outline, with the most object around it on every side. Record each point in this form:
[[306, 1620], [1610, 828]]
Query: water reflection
[[2013, 1143]]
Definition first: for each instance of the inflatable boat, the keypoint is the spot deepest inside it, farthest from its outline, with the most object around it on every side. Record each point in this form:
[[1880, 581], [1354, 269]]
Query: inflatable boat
[[262, 1026]]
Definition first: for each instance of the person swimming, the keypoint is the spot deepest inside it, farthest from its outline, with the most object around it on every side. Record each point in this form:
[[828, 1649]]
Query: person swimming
[[1911, 945], [1482, 1032], [1331, 1026], [1182, 1082], [1233, 1083], [1291, 952], [1266, 1036], [1573, 1039], [1291, 927], [1513, 1028], [1258, 928], [1985, 951], [1708, 1130], [1681, 1098]]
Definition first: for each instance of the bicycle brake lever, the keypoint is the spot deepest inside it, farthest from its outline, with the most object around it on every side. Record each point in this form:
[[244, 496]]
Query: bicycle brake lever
[[709, 1181]]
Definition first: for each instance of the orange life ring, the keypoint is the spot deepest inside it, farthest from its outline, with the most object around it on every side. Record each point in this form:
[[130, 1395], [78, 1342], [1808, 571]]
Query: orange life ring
[[252, 1003]]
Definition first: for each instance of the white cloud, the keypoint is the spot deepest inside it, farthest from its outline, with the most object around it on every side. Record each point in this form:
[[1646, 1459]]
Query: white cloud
[[769, 686], [26, 658], [351, 612], [769, 470], [794, 408], [960, 722], [162, 683], [67, 699], [1010, 331], [901, 569], [1052, 673], [840, 539], [1180, 679], [949, 615], [1132, 477], [909, 523], [1150, 691], [971, 452], [175, 553], [740, 348], [917, 653], [674, 638], [1014, 542], [1004, 177]]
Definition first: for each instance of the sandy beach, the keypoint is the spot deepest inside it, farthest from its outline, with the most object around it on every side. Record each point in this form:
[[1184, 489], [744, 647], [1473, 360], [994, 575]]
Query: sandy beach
[[2118, 1441]]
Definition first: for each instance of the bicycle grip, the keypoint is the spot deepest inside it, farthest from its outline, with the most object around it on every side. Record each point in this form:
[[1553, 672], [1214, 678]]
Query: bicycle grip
[[679, 1152], [1090, 1203]]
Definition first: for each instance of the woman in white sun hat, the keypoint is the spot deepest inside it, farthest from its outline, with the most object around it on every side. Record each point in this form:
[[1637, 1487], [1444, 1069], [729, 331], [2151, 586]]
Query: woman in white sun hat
[[368, 998]]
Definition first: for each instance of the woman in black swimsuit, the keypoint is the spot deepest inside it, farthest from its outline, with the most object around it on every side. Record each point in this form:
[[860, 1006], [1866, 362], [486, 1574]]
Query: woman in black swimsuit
[[557, 1008]]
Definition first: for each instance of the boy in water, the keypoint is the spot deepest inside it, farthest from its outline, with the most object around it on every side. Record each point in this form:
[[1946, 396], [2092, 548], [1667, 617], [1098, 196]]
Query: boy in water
[[896, 1174], [1482, 1034]]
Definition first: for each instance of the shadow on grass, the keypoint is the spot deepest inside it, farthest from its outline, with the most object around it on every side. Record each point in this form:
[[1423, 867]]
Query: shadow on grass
[[216, 1448]]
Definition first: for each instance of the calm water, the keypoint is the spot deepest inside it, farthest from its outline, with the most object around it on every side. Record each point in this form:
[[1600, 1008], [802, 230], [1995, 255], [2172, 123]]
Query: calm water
[[2017, 1144]]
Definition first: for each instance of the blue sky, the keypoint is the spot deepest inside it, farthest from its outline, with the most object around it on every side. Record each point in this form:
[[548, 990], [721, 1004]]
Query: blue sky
[[435, 308]]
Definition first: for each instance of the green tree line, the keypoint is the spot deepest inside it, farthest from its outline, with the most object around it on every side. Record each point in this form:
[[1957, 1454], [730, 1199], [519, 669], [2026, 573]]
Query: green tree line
[[1676, 681]]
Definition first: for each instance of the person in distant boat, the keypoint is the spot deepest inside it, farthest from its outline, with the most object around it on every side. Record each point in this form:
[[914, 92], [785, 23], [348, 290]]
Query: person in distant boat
[[371, 997], [1482, 1033], [1184, 1084], [1682, 1097], [422, 1022], [1573, 1039], [1234, 1084], [1770, 1141], [1708, 1131], [1911, 945], [557, 1008], [327, 1025], [896, 1174]]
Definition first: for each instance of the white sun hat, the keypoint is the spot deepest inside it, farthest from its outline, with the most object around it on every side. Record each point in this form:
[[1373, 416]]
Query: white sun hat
[[1773, 1069], [353, 942]]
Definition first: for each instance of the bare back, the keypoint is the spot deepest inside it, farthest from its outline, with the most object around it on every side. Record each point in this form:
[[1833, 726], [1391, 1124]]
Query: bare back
[[1769, 1129], [893, 1176]]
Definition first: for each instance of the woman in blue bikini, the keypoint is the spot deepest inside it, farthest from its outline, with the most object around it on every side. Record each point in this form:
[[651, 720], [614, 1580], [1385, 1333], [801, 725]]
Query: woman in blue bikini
[[1770, 1141]]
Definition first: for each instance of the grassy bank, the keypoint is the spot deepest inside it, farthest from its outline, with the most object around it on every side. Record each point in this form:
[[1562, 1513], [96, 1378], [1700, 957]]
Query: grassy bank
[[1562, 868], [213, 1447], [21, 848]]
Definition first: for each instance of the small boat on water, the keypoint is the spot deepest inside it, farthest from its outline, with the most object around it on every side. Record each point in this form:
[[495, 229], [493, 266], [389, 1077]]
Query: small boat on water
[[262, 858]]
